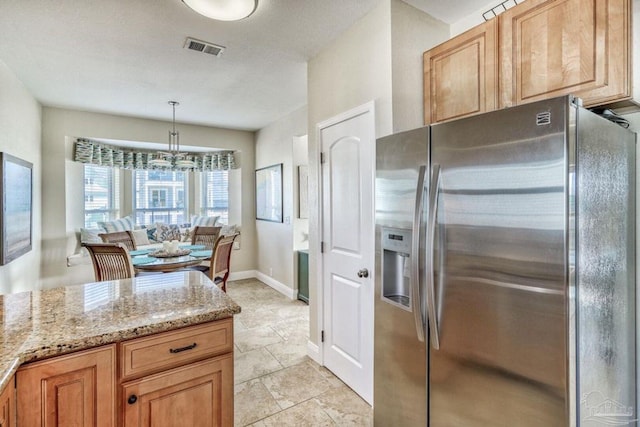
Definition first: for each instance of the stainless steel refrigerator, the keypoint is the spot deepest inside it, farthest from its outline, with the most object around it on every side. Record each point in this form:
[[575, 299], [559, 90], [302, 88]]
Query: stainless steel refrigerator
[[505, 271]]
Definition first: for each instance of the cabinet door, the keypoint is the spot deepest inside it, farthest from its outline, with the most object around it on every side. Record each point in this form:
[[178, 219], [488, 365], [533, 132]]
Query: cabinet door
[[8, 405], [550, 48], [460, 75], [196, 395], [73, 390]]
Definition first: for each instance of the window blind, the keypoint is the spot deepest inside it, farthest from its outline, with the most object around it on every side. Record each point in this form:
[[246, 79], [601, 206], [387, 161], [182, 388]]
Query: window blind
[[159, 196], [101, 194], [215, 194]]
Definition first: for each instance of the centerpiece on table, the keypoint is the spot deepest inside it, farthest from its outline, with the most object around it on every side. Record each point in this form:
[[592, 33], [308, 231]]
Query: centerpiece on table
[[169, 250]]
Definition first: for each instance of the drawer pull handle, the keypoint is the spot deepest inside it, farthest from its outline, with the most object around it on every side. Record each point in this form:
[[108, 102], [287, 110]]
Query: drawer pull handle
[[132, 399], [178, 350]]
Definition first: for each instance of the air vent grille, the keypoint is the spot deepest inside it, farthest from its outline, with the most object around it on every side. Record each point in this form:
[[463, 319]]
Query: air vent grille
[[543, 118], [502, 7], [204, 47]]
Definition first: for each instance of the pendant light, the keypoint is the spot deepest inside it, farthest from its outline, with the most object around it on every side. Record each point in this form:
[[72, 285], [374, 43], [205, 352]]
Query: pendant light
[[173, 157]]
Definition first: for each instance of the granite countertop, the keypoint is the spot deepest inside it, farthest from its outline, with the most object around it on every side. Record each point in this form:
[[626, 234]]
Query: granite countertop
[[40, 324]]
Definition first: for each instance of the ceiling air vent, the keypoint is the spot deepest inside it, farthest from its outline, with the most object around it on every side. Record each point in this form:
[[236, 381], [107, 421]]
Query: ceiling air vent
[[204, 47]]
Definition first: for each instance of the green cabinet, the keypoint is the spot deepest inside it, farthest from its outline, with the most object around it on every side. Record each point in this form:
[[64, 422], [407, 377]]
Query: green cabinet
[[303, 276]]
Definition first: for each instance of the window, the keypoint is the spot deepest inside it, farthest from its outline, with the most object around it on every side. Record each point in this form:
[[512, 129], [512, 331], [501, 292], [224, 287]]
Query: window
[[159, 197], [101, 194], [214, 199]]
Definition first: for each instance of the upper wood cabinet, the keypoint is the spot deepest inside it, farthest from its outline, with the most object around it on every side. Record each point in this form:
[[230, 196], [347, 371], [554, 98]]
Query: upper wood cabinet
[[460, 75], [550, 48], [538, 49], [73, 390]]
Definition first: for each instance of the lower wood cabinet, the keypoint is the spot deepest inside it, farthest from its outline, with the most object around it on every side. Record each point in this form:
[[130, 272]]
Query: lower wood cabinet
[[182, 377], [197, 395], [8, 405], [77, 389]]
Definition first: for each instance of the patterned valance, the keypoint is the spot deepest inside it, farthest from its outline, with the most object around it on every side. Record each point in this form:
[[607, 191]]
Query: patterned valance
[[87, 151]]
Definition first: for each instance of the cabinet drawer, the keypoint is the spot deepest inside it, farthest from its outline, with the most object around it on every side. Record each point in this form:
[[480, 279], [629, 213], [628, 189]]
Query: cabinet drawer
[[141, 356]]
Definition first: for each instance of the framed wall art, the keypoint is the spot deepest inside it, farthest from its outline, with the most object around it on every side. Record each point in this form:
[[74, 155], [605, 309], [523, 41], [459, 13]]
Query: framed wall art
[[269, 193], [303, 191], [16, 184]]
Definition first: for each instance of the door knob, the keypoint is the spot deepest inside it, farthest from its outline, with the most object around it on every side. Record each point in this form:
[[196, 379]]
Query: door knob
[[363, 273]]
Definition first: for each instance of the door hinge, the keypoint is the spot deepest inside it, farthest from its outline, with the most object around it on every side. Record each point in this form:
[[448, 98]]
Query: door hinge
[[322, 158], [322, 336], [321, 247]]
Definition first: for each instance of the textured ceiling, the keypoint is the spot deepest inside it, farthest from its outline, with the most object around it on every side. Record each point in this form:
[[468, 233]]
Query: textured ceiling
[[126, 56]]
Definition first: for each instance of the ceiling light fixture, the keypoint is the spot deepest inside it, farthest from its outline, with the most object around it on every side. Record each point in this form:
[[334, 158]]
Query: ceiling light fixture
[[173, 157], [223, 10]]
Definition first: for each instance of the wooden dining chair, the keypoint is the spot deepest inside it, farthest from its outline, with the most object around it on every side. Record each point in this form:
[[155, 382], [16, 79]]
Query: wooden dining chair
[[206, 236], [220, 259], [124, 237], [111, 261]]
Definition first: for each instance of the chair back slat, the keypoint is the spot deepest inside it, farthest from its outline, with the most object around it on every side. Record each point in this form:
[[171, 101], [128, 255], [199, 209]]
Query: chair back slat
[[220, 260], [124, 237], [206, 236], [111, 261]]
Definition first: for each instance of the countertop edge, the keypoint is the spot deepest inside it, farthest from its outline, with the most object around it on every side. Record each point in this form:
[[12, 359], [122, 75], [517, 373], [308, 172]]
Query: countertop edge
[[29, 353]]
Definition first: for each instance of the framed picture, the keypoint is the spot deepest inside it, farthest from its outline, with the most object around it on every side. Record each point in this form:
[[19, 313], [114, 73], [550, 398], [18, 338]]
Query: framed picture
[[16, 183], [269, 193], [303, 191]]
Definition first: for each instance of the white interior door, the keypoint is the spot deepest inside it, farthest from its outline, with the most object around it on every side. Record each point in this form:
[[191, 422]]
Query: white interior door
[[348, 173]]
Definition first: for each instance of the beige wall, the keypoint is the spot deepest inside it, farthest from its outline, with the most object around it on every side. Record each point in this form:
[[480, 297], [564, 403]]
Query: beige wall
[[62, 199], [20, 118], [351, 71], [274, 144], [379, 58], [412, 33]]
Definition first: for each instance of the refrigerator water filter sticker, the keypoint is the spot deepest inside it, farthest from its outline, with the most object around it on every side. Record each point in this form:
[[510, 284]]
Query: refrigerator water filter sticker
[[406, 270]]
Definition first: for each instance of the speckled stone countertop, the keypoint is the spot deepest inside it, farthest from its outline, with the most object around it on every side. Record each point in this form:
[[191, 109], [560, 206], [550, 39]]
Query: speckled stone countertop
[[51, 322]]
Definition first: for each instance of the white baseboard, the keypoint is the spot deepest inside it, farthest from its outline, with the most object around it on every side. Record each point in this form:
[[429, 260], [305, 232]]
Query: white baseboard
[[313, 351], [280, 287]]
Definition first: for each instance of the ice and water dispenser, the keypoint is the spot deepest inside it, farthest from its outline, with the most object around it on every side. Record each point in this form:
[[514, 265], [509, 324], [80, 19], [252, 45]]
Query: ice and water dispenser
[[396, 267]]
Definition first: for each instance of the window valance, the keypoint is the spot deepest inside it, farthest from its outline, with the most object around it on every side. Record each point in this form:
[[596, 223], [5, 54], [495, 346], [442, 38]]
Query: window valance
[[96, 153]]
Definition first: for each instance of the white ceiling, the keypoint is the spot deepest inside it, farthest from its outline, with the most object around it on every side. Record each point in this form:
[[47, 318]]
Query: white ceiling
[[126, 56]]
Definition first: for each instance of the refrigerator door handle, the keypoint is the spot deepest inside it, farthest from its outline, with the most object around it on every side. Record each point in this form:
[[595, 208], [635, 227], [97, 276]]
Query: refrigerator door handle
[[431, 231], [416, 306]]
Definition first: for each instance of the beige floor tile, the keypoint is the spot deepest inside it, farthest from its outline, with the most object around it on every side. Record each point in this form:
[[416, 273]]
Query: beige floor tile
[[295, 384], [251, 339], [306, 414], [293, 310], [345, 407], [277, 384], [292, 328], [290, 352], [253, 402], [254, 364], [258, 317], [238, 326], [326, 374]]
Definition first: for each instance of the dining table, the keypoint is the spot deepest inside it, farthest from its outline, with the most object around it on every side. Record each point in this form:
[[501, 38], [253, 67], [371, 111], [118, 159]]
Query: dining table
[[156, 260]]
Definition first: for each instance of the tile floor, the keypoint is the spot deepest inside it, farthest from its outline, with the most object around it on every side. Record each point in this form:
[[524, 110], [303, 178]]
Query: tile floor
[[276, 383]]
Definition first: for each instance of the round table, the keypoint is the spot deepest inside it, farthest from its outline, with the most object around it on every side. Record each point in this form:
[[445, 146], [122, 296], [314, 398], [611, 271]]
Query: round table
[[169, 264]]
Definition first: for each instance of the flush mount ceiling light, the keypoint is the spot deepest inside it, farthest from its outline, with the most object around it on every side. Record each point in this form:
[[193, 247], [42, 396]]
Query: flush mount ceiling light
[[172, 157], [223, 10]]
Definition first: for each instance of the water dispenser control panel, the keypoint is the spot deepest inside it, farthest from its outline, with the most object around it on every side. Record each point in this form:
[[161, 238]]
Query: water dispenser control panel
[[396, 265], [397, 240]]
